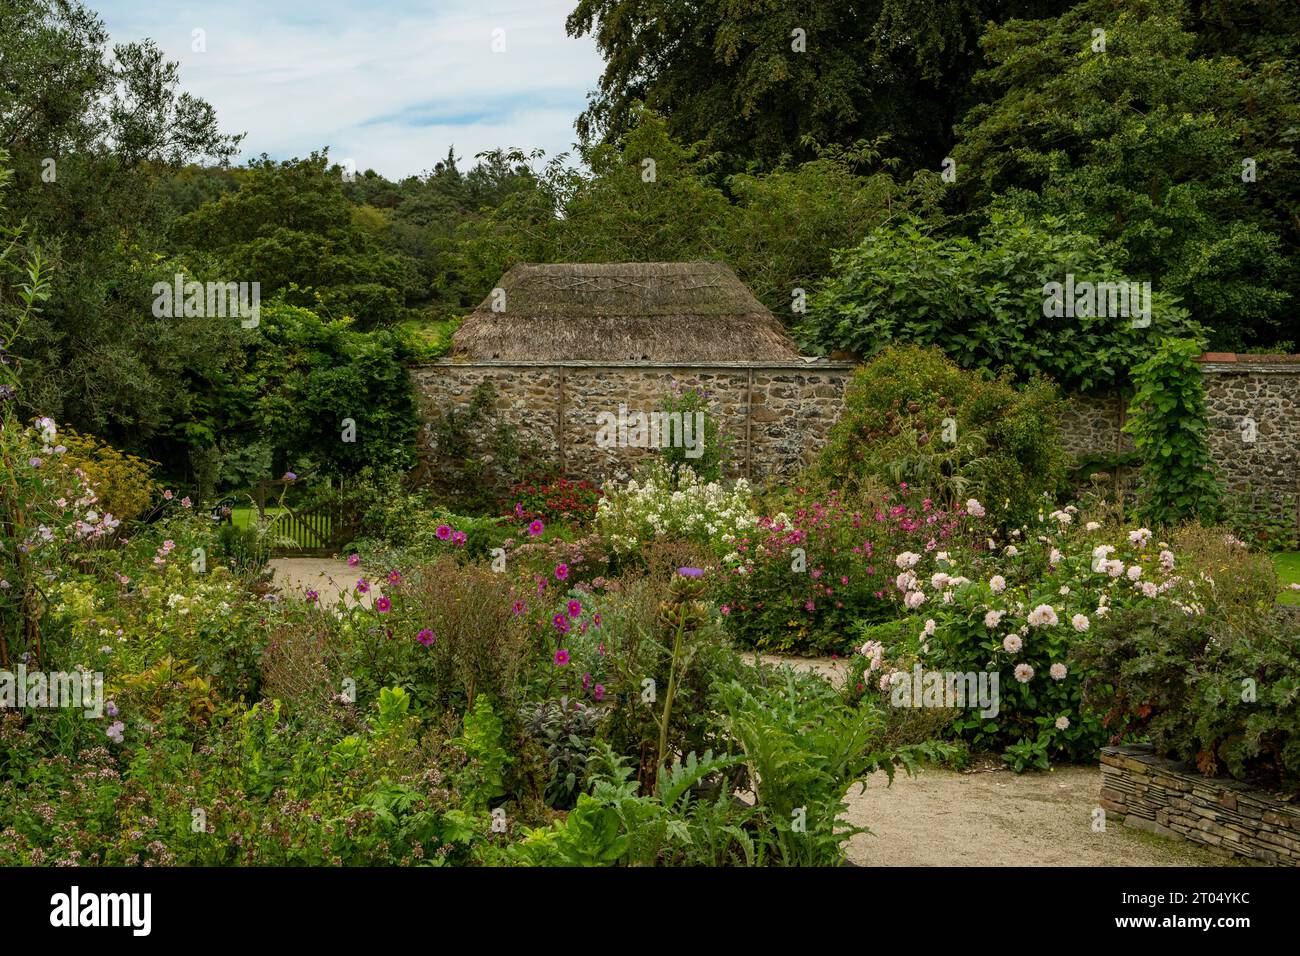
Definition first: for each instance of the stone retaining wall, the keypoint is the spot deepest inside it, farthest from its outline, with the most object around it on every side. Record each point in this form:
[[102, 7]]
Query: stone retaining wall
[[776, 416], [1172, 799]]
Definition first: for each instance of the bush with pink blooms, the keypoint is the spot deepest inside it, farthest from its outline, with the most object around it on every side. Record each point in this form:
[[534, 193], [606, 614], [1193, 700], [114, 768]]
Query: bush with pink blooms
[[808, 574], [1026, 621]]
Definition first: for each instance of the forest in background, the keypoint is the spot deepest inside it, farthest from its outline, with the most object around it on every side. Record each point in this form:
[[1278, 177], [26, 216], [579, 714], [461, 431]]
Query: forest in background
[[917, 169]]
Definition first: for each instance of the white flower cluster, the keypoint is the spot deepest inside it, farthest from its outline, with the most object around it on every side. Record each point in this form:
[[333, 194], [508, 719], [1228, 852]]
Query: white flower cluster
[[711, 513]]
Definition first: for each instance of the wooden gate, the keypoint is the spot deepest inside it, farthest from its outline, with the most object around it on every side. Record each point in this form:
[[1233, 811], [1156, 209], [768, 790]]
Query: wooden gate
[[312, 530]]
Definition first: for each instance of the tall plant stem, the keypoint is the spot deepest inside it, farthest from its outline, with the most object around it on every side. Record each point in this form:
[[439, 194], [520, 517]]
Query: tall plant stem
[[668, 695]]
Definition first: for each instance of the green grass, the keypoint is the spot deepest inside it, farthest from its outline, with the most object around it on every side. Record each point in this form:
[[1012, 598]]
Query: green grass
[[1288, 572], [429, 339], [244, 517]]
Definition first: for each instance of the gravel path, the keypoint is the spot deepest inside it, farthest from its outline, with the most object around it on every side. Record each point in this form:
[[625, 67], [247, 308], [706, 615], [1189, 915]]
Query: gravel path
[[331, 578], [940, 817]]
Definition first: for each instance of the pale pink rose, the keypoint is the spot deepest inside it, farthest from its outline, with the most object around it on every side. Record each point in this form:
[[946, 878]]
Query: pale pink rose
[[1134, 572], [998, 583], [914, 599], [993, 618], [1062, 723], [1012, 643], [1024, 673], [1080, 622], [1058, 671], [974, 508]]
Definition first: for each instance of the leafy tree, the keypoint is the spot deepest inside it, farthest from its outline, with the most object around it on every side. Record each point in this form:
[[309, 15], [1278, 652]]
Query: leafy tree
[[738, 78], [1147, 141], [290, 227], [93, 129], [984, 301], [307, 374]]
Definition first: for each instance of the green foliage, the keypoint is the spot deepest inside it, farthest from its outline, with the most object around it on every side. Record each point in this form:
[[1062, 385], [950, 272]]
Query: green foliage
[[483, 779], [1168, 423], [290, 227], [735, 75], [984, 302], [1223, 695], [308, 374], [712, 447], [111, 119], [804, 747], [900, 410], [1145, 143]]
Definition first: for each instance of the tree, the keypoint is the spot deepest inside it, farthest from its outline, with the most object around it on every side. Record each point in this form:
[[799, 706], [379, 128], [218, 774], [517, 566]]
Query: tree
[[987, 302], [290, 227], [1186, 162], [92, 131], [752, 80]]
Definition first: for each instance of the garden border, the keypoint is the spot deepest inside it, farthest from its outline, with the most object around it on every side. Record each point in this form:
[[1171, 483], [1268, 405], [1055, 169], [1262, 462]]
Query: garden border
[[1172, 799]]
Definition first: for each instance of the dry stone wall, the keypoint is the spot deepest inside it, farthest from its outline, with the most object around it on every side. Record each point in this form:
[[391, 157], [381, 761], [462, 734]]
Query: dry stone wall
[[1172, 799], [777, 416]]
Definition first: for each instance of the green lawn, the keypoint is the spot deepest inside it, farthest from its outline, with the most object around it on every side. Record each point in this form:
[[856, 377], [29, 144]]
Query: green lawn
[[1288, 572], [244, 516]]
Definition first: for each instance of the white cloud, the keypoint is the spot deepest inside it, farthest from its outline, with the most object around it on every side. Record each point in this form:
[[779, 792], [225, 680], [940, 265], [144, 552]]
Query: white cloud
[[390, 86]]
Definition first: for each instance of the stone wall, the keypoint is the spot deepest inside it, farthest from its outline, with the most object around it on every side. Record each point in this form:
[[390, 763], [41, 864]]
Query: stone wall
[[775, 416], [1172, 799]]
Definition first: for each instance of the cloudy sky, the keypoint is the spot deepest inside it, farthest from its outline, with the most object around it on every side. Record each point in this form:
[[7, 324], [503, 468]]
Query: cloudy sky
[[387, 83]]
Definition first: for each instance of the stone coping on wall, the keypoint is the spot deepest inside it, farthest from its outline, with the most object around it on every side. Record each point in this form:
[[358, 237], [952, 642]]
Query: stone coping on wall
[[818, 365], [1174, 800], [1270, 364]]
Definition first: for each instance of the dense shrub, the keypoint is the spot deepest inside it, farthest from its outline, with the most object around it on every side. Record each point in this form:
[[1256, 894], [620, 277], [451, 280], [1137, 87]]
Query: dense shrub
[[984, 301], [805, 575], [124, 483], [912, 415], [1217, 693]]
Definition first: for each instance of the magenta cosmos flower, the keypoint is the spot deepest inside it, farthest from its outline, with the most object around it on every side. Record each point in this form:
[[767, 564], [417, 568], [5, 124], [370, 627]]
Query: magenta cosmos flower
[[519, 607], [394, 576], [443, 532], [575, 608], [383, 605], [363, 586], [536, 528], [354, 560], [561, 657], [562, 572], [458, 537], [425, 637], [561, 623], [599, 692]]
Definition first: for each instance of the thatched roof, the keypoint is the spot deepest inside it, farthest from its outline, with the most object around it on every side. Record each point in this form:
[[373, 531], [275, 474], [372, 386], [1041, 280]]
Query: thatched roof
[[624, 311]]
